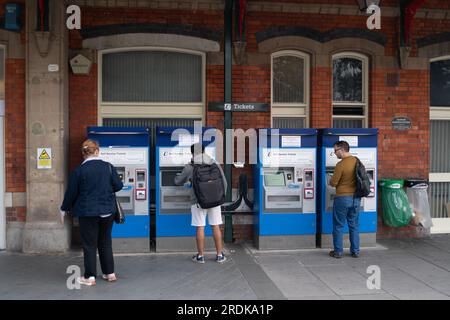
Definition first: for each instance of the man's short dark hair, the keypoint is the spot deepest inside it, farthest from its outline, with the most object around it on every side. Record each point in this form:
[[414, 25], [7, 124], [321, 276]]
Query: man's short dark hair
[[343, 145], [197, 147]]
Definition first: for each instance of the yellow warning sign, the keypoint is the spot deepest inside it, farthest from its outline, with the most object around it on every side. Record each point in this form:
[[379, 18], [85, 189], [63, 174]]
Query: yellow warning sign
[[44, 158], [44, 155]]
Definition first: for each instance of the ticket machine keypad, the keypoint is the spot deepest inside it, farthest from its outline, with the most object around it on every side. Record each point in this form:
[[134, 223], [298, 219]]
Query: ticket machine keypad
[[141, 184], [309, 184]]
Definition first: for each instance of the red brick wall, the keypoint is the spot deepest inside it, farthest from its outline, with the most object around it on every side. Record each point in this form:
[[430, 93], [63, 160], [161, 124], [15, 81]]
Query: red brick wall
[[82, 111], [242, 233], [212, 20], [15, 125], [15, 160], [15, 128], [16, 214], [399, 155], [320, 111]]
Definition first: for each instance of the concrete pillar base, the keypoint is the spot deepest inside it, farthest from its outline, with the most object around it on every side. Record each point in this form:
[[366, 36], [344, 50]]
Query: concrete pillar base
[[14, 236], [46, 237]]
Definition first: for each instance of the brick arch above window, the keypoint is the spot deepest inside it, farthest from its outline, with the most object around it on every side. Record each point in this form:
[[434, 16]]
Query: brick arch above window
[[321, 52], [322, 37], [131, 35], [434, 46]]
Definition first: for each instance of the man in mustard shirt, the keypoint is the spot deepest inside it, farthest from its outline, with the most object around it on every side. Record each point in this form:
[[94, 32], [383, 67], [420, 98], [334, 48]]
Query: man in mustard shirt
[[345, 206]]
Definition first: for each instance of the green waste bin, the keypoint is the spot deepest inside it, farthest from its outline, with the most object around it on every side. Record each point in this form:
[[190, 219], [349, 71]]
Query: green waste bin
[[397, 211]]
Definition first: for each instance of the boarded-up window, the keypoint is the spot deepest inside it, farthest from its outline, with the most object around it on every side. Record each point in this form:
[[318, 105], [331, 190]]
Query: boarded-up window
[[152, 76]]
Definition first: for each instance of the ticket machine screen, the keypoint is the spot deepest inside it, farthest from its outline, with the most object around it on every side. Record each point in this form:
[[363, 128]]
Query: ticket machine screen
[[168, 177], [174, 199], [274, 180], [281, 190]]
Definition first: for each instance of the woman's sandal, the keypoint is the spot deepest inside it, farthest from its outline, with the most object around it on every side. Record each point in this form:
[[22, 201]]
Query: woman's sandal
[[109, 278]]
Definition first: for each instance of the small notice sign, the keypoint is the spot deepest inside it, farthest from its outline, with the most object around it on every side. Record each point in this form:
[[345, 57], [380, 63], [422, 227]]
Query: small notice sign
[[186, 140], [44, 158], [401, 123], [351, 140], [291, 141]]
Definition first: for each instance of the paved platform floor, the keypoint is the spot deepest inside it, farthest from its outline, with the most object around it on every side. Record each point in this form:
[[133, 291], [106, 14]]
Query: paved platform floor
[[409, 269]]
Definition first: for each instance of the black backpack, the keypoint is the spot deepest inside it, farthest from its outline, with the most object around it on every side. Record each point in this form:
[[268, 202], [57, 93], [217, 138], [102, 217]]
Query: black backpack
[[208, 185], [362, 180]]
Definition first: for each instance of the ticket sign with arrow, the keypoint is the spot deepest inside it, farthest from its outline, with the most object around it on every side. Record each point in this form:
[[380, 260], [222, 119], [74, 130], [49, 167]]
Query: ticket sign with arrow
[[44, 158]]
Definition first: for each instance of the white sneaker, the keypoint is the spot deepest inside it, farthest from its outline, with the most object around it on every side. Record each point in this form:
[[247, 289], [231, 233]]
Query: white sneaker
[[109, 277], [221, 258], [86, 282]]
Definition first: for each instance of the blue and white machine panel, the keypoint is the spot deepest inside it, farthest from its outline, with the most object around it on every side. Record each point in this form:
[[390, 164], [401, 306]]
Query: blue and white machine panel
[[363, 144], [286, 183], [173, 204], [127, 149]]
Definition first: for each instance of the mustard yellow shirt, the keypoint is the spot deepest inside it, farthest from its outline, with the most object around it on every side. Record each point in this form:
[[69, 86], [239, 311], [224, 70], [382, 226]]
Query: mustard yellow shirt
[[344, 177]]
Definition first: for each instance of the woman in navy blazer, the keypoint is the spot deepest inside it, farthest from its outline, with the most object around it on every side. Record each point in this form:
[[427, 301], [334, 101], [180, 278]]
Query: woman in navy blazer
[[90, 196]]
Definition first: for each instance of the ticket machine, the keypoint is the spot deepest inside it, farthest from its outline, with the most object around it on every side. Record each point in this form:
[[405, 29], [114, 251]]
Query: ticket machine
[[173, 204], [127, 149], [285, 189], [363, 144]]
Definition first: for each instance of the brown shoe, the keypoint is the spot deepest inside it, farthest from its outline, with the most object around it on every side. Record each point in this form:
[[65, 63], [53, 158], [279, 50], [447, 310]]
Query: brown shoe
[[335, 255]]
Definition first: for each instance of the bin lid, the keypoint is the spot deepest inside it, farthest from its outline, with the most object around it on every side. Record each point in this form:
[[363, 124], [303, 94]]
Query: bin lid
[[414, 182], [391, 183]]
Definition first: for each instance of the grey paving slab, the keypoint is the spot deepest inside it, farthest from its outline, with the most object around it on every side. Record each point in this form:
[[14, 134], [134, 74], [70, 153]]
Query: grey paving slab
[[433, 276], [333, 297], [381, 296], [422, 296], [258, 280], [319, 258], [343, 280], [293, 279], [398, 283]]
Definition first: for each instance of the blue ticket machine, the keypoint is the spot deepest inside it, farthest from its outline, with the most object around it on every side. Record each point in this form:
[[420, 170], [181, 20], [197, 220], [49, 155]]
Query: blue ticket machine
[[363, 144], [173, 203], [285, 189], [128, 149]]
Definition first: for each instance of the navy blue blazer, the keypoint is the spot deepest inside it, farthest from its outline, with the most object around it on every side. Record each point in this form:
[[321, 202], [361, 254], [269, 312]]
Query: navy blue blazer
[[91, 189]]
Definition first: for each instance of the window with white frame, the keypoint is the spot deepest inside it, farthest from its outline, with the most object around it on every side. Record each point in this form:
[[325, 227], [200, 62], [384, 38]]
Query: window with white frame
[[439, 175], [151, 82], [2, 150], [290, 89], [350, 90], [440, 82]]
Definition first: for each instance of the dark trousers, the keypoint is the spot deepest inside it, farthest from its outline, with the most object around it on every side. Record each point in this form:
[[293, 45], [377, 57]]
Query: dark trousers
[[96, 234]]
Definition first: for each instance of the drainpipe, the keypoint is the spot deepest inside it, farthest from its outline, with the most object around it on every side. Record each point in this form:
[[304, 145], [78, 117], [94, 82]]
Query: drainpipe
[[228, 121]]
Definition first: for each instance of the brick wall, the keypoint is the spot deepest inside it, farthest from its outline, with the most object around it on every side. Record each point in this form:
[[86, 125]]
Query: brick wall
[[321, 112], [16, 214], [15, 128], [242, 233], [82, 111]]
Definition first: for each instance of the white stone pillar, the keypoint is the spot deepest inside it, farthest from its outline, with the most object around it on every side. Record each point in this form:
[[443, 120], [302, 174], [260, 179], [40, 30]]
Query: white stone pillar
[[47, 126]]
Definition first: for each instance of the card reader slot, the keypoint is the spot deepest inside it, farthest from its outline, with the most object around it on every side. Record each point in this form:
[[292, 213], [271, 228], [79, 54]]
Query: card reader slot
[[283, 198], [123, 199], [177, 198]]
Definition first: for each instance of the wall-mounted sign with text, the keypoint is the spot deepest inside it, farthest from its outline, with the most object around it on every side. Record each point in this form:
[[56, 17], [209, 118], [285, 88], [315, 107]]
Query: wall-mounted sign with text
[[239, 106]]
